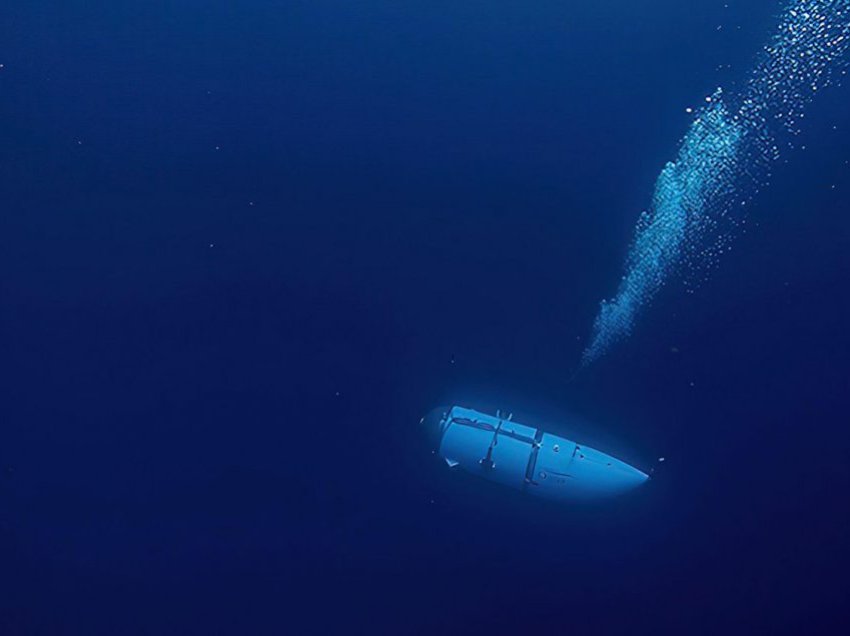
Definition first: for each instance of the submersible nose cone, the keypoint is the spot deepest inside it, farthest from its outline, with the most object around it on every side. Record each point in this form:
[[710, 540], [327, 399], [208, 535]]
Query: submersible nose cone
[[628, 477], [433, 425]]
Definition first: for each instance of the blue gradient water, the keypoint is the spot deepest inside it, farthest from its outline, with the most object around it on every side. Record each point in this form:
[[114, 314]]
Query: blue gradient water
[[244, 247]]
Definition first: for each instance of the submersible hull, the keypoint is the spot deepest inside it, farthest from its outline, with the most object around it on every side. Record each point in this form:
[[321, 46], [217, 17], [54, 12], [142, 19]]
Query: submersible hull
[[526, 458]]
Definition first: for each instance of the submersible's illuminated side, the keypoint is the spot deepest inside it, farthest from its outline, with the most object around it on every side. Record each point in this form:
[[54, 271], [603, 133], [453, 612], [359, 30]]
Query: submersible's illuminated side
[[529, 459]]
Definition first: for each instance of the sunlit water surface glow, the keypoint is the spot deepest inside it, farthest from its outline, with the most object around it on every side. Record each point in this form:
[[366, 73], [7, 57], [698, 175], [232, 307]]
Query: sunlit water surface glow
[[723, 161]]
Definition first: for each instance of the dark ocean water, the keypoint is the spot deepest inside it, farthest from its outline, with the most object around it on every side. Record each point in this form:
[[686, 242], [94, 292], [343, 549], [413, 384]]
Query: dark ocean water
[[244, 247]]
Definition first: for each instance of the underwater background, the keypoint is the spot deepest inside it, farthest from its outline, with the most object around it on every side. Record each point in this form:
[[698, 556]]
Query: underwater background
[[245, 247]]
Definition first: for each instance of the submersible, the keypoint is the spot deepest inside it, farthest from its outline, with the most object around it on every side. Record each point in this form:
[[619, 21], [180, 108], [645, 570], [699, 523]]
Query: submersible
[[501, 450]]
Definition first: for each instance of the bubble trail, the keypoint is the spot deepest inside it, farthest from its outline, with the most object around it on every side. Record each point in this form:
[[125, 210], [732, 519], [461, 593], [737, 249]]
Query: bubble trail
[[723, 161]]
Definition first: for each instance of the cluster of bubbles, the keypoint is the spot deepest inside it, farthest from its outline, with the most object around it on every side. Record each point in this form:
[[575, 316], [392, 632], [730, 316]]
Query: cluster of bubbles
[[723, 161]]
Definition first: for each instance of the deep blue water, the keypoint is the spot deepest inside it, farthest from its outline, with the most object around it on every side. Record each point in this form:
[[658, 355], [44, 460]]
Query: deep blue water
[[244, 247]]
